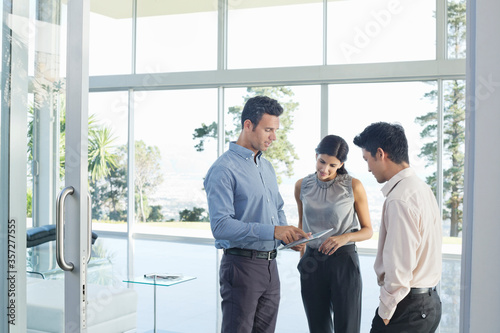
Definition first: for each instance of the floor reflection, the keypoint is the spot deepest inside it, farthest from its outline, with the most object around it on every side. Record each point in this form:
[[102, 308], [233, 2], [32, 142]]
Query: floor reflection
[[192, 306]]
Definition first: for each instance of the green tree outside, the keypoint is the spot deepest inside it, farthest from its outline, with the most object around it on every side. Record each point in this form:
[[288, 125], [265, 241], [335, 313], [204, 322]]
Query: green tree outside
[[197, 214], [148, 176], [282, 152], [102, 153], [109, 193], [156, 215], [453, 125]]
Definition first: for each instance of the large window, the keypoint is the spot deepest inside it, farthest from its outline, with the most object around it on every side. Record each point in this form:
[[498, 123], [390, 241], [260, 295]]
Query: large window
[[336, 67], [108, 156], [355, 106], [456, 28], [413, 105], [367, 31], [187, 307], [169, 163], [274, 34], [110, 48], [298, 136], [176, 36], [453, 156]]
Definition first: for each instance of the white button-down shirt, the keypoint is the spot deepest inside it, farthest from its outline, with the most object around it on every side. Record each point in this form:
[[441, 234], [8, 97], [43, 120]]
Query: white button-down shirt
[[409, 247]]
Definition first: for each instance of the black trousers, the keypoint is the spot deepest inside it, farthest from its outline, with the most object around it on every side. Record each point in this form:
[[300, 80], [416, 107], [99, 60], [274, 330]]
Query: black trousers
[[414, 314], [331, 290], [250, 291]]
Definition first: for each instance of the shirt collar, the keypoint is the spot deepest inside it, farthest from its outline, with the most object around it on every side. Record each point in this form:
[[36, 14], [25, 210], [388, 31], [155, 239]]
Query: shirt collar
[[242, 151], [389, 186]]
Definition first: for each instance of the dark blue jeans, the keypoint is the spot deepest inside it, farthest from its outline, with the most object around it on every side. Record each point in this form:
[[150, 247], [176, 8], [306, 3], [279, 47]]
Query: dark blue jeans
[[414, 314], [331, 290]]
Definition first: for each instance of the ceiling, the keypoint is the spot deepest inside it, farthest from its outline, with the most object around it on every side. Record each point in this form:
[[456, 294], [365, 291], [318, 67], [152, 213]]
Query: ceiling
[[120, 9]]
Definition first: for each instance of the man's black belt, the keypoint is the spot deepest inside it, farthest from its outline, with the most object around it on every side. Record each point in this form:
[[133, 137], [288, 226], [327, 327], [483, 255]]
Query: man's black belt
[[268, 255], [418, 291]]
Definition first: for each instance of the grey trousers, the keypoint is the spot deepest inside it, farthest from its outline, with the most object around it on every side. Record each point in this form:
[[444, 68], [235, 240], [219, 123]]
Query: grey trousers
[[250, 291], [331, 290]]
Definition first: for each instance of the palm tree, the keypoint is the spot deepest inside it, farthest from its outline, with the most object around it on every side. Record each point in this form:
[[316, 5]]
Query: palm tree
[[101, 155]]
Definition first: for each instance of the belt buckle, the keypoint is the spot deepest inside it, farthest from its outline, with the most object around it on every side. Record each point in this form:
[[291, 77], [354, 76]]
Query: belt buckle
[[269, 254]]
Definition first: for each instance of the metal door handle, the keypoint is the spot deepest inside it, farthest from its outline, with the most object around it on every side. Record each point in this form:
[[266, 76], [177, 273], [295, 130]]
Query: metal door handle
[[61, 198]]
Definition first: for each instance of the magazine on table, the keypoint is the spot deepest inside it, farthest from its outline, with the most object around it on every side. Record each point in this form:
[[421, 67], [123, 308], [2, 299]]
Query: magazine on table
[[162, 276]]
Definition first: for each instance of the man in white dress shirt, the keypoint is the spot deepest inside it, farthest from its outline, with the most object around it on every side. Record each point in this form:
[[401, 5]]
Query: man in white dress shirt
[[408, 263]]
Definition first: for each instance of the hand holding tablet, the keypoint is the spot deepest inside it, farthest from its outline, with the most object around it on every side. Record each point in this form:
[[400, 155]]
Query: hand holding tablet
[[305, 240]]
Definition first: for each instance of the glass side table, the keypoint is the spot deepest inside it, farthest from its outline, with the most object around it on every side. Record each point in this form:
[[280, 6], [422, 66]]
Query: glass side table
[[158, 279]]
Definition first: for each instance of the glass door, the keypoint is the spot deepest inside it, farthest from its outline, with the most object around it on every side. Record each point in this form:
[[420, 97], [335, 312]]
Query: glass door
[[51, 276]]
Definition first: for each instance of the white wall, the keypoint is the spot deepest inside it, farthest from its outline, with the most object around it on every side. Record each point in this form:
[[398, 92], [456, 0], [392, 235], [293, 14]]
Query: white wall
[[481, 259]]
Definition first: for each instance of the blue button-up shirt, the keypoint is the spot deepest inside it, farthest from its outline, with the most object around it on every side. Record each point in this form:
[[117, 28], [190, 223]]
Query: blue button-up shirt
[[244, 202]]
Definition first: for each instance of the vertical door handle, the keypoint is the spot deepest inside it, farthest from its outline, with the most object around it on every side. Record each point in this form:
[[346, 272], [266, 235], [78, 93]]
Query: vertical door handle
[[89, 225], [61, 198]]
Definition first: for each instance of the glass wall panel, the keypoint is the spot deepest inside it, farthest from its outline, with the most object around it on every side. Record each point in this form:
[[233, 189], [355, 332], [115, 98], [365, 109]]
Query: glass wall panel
[[414, 106], [186, 307], [355, 106], [371, 31], [454, 155], [176, 36], [63, 47], [50, 157], [44, 32], [46, 107], [453, 190], [456, 28], [110, 261], [298, 135], [108, 137], [175, 144], [110, 39], [31, 165], [270, 34], [46, 120], [176, 132]]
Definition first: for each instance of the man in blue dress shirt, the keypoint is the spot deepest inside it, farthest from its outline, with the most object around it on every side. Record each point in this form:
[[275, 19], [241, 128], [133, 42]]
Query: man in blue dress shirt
[[248, 222]]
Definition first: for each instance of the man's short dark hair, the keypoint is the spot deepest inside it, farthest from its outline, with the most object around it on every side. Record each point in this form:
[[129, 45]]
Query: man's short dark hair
[[390, 137], [256, 106]]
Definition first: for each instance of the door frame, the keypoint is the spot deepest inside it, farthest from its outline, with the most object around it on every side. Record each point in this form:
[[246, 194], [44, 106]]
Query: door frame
[[76, 160], [13, 164]]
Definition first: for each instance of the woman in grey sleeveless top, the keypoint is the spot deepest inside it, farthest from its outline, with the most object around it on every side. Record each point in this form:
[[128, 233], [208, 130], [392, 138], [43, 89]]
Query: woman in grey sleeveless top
[[329, 266]]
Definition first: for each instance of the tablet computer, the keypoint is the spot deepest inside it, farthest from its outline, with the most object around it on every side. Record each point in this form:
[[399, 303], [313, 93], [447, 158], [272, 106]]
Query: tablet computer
[[305, 240]]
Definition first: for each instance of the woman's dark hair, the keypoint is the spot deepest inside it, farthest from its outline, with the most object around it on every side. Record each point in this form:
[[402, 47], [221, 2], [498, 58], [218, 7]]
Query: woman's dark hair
[[390, 137], [256, 106], [334, 145]]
